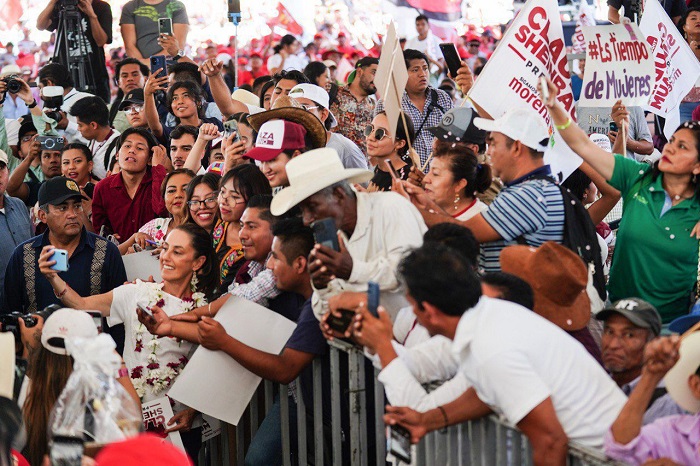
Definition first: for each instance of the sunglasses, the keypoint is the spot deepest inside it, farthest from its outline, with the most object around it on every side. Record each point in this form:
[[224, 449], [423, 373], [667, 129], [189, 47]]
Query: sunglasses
[[133, 109], [379, 133]]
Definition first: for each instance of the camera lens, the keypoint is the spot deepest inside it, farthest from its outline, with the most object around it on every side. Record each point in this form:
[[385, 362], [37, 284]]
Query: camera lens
[[14, 85]]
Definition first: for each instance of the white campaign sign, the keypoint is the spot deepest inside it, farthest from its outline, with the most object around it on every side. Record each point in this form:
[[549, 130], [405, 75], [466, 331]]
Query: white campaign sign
[[213, 382], [156, 415], [676, 67], [533, 46], [618, 66], [142, 265]]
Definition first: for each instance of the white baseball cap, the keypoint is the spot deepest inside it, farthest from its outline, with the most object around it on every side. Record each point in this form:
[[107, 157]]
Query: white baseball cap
[[315, 93], [520, 124], [63, 324]]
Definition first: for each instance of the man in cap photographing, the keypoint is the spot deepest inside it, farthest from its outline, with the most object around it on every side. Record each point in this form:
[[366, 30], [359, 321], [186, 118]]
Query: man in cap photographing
[[628, 326], [374, 230], [94, 264]]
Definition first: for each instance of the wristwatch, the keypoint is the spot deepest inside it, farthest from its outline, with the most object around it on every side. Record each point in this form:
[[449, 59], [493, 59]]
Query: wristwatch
[[180, 54]]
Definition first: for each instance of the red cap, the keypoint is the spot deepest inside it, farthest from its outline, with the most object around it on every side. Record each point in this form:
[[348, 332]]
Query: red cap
[[276, 136], [341, 34], [318, 35], [255, 55], [144, 449]]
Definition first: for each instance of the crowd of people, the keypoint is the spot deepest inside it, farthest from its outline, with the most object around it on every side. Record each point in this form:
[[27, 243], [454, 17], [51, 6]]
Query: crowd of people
[[282, 180]]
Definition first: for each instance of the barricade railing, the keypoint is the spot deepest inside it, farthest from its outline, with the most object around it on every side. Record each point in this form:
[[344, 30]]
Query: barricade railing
[[356, 434]]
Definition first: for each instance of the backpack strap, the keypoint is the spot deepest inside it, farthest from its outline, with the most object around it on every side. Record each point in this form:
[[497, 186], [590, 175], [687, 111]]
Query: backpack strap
[[98, 259], [658, 393], [29, 263], [431, 106], [109, 153]]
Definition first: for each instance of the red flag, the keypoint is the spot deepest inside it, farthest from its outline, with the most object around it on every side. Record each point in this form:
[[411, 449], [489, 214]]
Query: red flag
[[285, 20], [10, 13]]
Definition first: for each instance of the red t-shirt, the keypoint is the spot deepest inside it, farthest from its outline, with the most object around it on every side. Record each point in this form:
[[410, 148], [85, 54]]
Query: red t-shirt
[[112, 205]]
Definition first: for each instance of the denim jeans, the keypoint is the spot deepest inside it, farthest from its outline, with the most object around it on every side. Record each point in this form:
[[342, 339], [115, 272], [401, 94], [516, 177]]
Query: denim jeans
[[266, 447]]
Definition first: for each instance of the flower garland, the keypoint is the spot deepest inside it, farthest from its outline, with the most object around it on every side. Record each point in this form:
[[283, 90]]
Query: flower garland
[[154, 377]]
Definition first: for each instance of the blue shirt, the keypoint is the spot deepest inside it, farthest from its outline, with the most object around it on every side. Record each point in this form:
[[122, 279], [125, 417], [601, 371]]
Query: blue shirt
[[15, 228], [531, 208]]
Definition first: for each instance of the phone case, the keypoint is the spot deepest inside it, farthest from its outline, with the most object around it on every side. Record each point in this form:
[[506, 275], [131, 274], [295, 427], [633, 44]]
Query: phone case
[[61, 258], [158, 62]]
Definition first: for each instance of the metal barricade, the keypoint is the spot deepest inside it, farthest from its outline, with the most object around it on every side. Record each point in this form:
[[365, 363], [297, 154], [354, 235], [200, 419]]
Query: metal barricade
[[483, 442]]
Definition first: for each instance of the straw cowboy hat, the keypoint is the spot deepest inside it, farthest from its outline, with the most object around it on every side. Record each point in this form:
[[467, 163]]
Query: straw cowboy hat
[[289, 109], [677, 378], [558, 278], [311, 172]]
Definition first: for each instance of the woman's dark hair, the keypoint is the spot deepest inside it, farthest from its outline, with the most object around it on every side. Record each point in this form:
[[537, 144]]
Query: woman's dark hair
[[694, 127], [78, 146], [314, 70], [208, 275], [143, 132], [287, 39], [10, 428], [248, 181], [465, 166], [684, 18], [434, 274], [194, 89], [401, 132], [209, 179], [179, 171], [577, 183], [265, 87], [242, 118]]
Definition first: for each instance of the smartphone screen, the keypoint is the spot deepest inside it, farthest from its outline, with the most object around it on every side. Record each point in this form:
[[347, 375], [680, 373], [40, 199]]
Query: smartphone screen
[[66, 451], [158, 63], [452, 60], [373, 298], [613, 126], [165, 26]]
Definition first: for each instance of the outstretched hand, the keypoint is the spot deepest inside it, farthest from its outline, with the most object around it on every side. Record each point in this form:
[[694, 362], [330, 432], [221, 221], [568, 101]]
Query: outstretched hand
[[407, 418]]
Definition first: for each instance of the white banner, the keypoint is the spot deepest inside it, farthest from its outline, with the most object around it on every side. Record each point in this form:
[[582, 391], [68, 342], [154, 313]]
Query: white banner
[[533, 46], [618, 66], [675, 65], [156, 415]]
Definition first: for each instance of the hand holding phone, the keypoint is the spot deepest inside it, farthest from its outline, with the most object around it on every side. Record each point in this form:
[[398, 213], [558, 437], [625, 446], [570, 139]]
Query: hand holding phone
[[158, 63], [326, 233], [165, 26], [373, 298], [61, 258], [340, 323], [145, 309], [399, 442]]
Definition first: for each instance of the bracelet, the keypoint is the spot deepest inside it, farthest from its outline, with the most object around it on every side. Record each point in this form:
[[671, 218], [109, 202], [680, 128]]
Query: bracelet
[[62, 293], [565, 125], [444, 414], [32, 105], [123, 372]]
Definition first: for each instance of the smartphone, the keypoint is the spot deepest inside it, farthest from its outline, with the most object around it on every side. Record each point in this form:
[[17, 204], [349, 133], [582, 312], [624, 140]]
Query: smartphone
[[230, 127], [326, 233], [50, 142], [66, 450], [545, 89], [341, 324], [97, 319], [373, 298], [158, 63], [613, 126], [145, 309], [452, 60], [61, 258], [165, 26], [392, 170], [398, 443]]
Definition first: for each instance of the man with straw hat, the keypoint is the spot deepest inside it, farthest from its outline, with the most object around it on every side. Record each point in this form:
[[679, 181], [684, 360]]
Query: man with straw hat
[[374, 230]]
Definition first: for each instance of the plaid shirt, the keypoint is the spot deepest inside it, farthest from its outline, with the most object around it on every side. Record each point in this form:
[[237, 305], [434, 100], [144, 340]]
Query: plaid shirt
[[353, 116], [261, 288], [429, 117]]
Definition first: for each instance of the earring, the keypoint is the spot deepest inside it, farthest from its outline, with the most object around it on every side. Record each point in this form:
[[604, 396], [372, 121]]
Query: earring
[[456, 200], [194, 281]]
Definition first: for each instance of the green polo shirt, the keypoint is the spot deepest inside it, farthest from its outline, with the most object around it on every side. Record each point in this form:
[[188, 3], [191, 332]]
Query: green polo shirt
[[655, 258]]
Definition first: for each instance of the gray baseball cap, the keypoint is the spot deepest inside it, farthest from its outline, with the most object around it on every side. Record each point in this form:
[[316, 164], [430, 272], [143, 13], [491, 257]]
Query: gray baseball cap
[[639, 312], [457, 125]]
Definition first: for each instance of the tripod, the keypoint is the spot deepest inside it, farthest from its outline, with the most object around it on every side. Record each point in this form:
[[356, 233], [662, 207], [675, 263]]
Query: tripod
[[234, 15], [72, 48]]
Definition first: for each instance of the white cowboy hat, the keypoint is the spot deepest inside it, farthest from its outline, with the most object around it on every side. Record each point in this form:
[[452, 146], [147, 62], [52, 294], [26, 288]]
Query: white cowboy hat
[[7, 364], [677, 378], [311, 172]]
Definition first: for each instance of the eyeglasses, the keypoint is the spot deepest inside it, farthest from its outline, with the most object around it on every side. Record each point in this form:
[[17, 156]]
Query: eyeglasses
[[27, 138], [379, 133], [133, 109], [210, 202], [237, 199], [309, 107]]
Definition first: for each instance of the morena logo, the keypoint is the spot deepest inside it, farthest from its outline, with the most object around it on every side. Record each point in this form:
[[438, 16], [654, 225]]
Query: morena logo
[[266, 139]]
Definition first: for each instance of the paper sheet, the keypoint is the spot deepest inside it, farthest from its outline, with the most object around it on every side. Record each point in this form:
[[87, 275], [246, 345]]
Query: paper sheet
[[213, 382], [156, 415], [141, 265]]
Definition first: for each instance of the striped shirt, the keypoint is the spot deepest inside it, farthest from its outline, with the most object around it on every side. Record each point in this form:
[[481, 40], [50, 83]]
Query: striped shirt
[[531, 208]]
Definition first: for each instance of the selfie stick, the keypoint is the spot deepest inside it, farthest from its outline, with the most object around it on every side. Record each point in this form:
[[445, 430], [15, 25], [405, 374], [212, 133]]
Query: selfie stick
[[235, 18]]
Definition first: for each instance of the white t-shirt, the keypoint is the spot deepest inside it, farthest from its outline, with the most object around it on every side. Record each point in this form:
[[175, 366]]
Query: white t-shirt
[[472, 211], [430, 46], [99, 150], [292, 62], [168, 351], [516, 359]]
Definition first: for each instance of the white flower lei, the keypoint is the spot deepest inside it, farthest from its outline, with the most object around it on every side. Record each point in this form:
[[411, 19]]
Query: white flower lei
[[155, 378]]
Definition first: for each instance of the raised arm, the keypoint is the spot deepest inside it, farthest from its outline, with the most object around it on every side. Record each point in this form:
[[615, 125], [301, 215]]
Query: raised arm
[[609, 195], [219, 90], [129, 37], [207, 132], [153, 85]]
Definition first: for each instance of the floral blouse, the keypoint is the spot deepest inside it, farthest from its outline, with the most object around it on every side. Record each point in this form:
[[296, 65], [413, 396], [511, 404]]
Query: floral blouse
[[230, 258]]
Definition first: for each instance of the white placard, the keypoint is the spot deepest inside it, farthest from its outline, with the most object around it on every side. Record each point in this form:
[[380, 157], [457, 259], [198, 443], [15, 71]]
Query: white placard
[[213, 382], [156, 415], [142, 265], [211, 427]]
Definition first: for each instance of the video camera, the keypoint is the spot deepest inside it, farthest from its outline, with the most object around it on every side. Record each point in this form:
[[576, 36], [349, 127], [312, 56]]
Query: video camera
[[68, 4], [53, 100], [10, 322]]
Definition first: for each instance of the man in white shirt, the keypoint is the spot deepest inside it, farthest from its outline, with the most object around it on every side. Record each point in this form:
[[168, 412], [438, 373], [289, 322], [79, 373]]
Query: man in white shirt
[[55, 74], [427, 43], [519, 364], [93, 123]]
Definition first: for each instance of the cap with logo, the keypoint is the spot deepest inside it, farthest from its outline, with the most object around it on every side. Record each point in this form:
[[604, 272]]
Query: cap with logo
[[57, 190], [276, 136], [66, 323], [520, 124], [639, 312], [315, 93], [457, 125], [135, 96]]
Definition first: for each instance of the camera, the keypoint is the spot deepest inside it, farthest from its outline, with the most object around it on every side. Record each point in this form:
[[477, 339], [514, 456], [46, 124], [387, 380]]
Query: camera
[[54, 115], [14, 84], [50, 142], [68, 4], [10, 322]]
